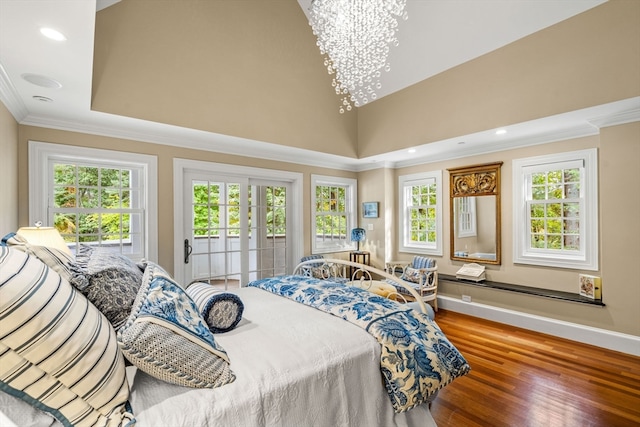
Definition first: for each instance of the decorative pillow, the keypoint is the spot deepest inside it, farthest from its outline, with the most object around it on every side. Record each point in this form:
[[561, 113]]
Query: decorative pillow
[[109, 280], [166, 337], [56, 259], [221, 310], [57, 352], [320, 272], [412, 275]]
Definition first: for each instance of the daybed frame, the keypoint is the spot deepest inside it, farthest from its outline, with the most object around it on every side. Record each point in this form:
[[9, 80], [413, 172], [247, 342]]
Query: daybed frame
[[349, 272]]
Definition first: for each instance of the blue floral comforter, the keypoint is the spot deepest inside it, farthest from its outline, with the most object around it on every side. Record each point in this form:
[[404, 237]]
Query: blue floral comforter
[[416, 359]]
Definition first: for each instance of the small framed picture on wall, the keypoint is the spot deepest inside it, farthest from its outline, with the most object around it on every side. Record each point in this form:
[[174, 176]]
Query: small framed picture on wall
[[370, 209]]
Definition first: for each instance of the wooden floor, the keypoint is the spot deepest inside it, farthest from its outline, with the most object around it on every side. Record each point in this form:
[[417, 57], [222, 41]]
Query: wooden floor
[[523, 378]]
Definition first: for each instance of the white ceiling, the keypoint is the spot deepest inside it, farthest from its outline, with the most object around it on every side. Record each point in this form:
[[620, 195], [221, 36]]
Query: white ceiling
[[438, 35]]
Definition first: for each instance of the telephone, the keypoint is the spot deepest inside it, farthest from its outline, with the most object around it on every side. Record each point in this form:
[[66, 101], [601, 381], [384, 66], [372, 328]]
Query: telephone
[[471, 271]]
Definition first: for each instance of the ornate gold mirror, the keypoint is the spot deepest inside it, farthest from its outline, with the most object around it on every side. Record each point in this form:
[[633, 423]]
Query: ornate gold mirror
[[475, 213]]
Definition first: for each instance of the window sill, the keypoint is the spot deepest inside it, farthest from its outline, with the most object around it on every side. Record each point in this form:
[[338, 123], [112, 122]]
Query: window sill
[[528, 290]]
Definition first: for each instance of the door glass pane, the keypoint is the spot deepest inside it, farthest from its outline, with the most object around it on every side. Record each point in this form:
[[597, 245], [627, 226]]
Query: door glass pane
[[221, 239]]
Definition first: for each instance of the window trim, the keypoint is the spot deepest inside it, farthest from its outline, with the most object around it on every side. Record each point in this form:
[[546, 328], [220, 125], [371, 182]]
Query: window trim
[[351, 205], [41, 153], [588, 257], [403, 220]]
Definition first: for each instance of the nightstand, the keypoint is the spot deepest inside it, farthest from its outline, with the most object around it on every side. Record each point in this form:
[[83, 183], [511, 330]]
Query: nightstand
[[361, 257]]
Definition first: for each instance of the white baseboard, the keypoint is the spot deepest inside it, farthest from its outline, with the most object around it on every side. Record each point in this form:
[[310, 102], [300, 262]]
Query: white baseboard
[[611, 340]]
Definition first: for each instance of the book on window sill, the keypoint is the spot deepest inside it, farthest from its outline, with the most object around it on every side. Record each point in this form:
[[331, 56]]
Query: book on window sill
[[590, 286], [474, 272]]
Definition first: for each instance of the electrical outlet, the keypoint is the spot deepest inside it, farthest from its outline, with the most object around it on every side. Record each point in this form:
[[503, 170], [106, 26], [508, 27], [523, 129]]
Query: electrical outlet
[[466, 298], [370, 227]]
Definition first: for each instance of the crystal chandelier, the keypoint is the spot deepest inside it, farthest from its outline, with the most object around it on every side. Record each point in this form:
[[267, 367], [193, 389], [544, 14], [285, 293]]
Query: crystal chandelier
[[355, 36]]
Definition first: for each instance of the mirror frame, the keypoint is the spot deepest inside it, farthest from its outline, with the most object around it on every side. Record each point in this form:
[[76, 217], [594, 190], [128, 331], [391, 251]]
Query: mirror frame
[[477, 180]]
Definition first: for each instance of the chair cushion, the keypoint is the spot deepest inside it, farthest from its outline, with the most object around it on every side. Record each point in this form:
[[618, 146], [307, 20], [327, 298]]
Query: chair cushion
[[320, 259], [414, 275], [423, 262]]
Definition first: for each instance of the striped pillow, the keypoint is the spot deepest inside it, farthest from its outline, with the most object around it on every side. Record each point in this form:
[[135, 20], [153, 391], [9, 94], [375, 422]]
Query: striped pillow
[[58, 352], [56, 259]]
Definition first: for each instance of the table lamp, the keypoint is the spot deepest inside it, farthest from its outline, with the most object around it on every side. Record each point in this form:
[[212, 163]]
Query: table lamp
[[44, 236], [358, 235]]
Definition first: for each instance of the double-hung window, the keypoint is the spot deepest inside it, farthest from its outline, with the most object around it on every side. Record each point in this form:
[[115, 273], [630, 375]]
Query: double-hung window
[[334, 208], [555, 202], [420, 214], [95, 197]]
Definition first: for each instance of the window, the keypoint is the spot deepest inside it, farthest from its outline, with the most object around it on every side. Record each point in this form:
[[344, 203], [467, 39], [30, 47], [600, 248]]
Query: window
[[95, 197], [556, 210], [466, 216], [334, 210], [421, 213]]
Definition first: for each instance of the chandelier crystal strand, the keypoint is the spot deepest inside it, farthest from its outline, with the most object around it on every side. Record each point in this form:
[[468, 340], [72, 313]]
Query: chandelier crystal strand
[[355, 36]]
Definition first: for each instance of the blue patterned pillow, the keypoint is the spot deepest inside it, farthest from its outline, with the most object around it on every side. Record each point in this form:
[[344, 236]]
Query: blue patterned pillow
[[58, 353], [166, 337], [221, 310]]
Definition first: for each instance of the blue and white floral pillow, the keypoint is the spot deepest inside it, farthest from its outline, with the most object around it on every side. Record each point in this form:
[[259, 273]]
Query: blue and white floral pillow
[[166, 337]]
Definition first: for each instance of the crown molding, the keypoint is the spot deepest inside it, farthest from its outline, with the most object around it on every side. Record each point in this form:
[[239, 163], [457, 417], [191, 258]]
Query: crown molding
[[162, 134], [562, 127], [621, 118], [10, 97]]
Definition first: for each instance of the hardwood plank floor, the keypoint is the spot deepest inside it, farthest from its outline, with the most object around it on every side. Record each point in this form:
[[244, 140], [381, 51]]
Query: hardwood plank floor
[[524, 378]]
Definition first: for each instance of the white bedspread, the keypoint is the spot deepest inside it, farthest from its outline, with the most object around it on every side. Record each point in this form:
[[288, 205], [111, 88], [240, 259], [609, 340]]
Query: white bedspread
[[295, 366]]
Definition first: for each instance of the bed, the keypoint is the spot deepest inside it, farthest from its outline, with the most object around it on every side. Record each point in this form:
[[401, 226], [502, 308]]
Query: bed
[[290, 364]]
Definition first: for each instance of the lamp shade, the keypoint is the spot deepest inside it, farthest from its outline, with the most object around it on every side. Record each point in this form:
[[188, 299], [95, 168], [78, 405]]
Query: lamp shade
[[358, 235], [44, 236]]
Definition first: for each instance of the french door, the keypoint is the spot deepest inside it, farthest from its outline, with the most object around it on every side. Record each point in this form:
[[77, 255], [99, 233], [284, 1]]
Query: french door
[[236, 228]]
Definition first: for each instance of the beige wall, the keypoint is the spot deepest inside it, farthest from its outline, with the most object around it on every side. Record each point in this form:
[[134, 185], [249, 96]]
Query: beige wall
[[619, 154], [247, 68], [165, 155], [9, 168], [374, 180]]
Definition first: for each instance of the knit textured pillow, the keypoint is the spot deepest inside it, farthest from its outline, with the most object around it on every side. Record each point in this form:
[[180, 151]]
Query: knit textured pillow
[[58, 353], [221, 310], [166, 337]]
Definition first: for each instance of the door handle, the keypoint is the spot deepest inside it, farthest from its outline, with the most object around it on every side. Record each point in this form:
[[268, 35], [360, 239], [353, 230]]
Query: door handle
[[187, 251]]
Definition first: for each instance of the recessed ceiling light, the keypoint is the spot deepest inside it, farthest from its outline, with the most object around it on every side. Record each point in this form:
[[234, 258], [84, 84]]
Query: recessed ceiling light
[[501, 131], [52, 34], [42, 81], [411, 150], [42, 98]]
